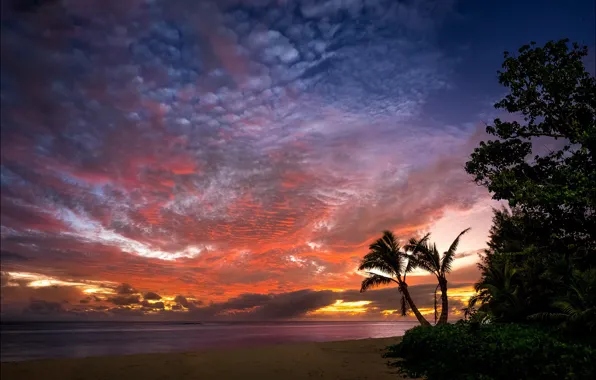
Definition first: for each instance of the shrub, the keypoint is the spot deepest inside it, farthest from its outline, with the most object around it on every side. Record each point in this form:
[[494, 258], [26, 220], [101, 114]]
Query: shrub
[[465, 351]]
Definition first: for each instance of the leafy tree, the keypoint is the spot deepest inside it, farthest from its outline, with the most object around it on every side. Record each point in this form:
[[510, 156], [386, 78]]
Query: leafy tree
[[426, 256], [556, 98], [542, 250], [390, 265]]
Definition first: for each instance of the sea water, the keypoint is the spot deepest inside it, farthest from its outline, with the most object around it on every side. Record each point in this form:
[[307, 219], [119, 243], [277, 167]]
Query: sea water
[[37, 340]]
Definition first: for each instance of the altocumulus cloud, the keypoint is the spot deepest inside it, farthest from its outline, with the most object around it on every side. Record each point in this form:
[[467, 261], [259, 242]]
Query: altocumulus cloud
[[221, 148]]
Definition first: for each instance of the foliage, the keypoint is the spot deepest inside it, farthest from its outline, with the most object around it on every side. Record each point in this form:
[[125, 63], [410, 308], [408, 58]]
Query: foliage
[[556, 97], [575, 312], [426, 256], [498, 292], [537, 285], [539, 267], [386, 263], [491, 351]]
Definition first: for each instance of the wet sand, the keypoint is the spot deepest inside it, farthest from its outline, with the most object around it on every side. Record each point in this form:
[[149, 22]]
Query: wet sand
[[352, 359]]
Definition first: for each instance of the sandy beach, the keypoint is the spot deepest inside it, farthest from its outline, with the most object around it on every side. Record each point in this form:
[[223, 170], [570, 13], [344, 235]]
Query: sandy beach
[[353, 359]]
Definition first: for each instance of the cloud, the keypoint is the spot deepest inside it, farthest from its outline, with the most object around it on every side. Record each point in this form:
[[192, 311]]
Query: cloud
[[125, 300], [125, 289], [231, 151], [153, 305], [16, 293], [152, 296], [42, 307], [181, 301], [4, 279], [12, 256], [65, 302], [294, 304], [264, 306]]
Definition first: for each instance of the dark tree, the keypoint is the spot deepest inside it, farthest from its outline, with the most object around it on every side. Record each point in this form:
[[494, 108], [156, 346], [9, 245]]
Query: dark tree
[[554, 95], [542, 252]]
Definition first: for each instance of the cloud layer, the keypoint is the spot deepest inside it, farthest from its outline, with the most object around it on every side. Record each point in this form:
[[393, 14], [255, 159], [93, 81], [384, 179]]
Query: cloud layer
[[228, 152]]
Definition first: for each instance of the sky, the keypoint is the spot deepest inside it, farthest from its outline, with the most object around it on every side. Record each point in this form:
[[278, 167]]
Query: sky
[[232, 160]]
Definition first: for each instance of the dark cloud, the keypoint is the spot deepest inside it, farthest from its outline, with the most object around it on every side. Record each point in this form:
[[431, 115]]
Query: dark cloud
[[294, 304], [152, 296], [42, 307], [154, 305], [246, 301], [125, 289], [182, 301], [265, 306], [18, 293], [125, 312], [125, 300], [11, 256], [467, 274]]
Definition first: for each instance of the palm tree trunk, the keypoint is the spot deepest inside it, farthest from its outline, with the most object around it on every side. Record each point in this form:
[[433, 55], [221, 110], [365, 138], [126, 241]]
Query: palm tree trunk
[[419, 316], [436, 314], [444, 301]]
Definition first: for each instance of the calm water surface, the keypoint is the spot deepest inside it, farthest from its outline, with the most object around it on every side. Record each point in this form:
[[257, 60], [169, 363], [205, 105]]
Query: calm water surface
[[25, 341]]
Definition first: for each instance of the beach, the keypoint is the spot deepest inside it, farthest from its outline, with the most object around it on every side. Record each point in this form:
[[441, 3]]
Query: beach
[[351, 359]]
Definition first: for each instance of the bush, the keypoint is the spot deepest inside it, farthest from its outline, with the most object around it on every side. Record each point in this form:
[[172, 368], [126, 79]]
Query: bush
[[465, 351]]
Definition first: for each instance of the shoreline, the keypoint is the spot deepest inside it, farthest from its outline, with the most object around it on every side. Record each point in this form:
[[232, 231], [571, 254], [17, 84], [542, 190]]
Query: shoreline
[[349, 359]]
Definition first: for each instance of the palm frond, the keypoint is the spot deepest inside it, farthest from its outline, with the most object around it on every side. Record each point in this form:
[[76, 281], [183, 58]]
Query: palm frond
[[449, 256], [436, 258], [425, 264], [546, 316], [472, 301], [371, 261], [414, 245], [423, 255], [374, 280], [387, 249]]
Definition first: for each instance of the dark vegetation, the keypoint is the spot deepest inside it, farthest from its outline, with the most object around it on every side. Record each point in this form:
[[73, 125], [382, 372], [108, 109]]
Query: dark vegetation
[[534, 312], [464, 351], [387, 262]]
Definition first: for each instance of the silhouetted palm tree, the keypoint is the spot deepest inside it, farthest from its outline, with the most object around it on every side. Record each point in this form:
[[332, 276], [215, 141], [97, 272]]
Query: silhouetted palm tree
[[426, 256], [390, 265], [497, 292], [576, 311]]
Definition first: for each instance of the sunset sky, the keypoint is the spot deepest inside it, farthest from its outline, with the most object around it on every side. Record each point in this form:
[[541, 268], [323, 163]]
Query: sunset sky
[[233, 159]]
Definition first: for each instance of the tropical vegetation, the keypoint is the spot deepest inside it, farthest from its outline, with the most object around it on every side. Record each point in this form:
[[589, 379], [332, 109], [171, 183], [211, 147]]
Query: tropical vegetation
[[534, 312], [387, 262], [541, 262], [426, 256], [496, 351]]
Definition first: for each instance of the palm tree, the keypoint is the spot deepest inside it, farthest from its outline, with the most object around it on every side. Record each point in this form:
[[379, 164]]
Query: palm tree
[[497, 291], [390, 265], [426, 256], [576, 311]]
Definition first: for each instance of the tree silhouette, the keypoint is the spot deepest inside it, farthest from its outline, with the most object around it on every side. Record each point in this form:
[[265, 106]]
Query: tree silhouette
[[385, 263]]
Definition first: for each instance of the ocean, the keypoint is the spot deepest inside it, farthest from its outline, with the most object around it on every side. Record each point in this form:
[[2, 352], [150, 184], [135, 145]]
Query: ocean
[[26, 341]]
